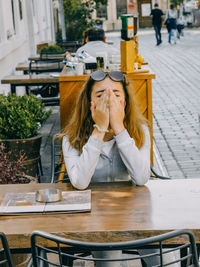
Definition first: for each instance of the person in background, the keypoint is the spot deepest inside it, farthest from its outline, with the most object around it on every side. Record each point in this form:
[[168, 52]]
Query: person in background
[[171, 16], [189, 19], [99, 23], [157, 14], [96, 42], [180, 26]]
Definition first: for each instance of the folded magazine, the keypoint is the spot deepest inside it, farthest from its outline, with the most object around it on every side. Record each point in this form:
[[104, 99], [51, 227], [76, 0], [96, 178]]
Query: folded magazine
[[23, 203]]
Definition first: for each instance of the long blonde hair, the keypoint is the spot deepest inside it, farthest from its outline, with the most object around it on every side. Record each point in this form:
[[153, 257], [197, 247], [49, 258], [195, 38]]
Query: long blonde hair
[[80, 127]]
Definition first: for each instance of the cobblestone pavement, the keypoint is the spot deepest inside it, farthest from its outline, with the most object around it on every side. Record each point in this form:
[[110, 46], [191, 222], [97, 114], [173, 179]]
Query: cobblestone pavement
[[176, 99], [176, 103]]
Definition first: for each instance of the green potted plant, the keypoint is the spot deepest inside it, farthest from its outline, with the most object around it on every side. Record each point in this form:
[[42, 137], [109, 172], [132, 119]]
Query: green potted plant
[[52, 49], [20, 120]]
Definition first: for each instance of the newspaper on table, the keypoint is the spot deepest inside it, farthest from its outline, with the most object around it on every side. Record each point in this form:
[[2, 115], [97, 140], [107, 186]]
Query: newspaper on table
[[23, 203]]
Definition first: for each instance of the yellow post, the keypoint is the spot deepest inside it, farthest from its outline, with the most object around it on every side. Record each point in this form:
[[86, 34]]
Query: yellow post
[[128, 56]]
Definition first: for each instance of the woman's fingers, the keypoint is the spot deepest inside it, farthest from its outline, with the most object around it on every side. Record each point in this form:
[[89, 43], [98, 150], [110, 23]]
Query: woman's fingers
[[103, 102], [113, 100]]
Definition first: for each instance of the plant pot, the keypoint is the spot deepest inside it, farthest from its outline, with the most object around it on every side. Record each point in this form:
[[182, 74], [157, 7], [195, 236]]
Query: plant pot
[[30, 147]]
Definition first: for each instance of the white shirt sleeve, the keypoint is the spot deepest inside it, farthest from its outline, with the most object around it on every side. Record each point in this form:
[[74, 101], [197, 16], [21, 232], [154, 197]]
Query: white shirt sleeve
[[80, 168], [137, 161]]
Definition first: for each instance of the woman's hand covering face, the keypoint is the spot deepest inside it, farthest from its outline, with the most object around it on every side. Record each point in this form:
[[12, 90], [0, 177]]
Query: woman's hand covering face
[[100, 111], [116, 112], [107, 105]]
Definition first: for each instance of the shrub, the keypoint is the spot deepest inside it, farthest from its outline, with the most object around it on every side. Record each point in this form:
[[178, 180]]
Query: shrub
[[21, 116], [51, 49]]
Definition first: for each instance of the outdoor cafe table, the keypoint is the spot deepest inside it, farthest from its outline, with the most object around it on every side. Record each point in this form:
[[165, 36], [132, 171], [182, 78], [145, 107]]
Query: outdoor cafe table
[[119, 212], [40, 67], [29, 80]]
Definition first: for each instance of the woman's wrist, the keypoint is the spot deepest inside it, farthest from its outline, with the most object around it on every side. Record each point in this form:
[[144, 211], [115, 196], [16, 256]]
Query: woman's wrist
[[101, 130], [98, 135], [118, 129]]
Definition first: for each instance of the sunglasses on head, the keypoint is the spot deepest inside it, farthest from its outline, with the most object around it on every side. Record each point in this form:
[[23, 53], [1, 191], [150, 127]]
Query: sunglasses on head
[[115, 76]]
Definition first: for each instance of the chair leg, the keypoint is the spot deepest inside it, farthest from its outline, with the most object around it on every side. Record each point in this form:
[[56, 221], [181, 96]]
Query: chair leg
[[67, 262], [184, 253], [40, 166], [143, 263], [43, 255]]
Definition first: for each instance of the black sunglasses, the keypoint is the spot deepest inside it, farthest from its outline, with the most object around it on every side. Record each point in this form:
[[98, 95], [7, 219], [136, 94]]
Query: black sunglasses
[[115, 76]]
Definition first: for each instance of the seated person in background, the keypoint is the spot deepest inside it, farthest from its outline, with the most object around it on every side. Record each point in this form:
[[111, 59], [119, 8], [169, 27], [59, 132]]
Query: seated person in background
[[95, 42], [107, 138]]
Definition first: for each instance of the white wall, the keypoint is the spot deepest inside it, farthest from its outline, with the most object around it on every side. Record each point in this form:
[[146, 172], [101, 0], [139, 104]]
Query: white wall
[[16, 45]]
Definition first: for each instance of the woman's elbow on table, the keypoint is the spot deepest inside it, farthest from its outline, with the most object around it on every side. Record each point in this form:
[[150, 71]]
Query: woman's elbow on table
[[141, 178], [78, 184]]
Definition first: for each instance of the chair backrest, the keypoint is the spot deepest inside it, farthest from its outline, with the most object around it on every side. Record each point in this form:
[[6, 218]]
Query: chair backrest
[[155, 175], [70, 46], [66, 250], [5, 255], [58, 169]]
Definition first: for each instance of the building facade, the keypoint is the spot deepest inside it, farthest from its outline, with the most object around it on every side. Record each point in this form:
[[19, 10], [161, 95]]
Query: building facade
[[141, 9], [23, 24]]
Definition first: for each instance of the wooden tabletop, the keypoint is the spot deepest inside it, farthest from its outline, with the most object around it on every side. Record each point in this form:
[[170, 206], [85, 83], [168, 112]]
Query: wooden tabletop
[[46, 56], [120, 211], [29, 79], [24, 66]]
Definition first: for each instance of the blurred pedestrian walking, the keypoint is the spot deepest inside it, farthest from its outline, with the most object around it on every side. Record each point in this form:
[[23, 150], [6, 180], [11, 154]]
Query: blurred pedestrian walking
[[157, 14], [180, 26], [170, 22]]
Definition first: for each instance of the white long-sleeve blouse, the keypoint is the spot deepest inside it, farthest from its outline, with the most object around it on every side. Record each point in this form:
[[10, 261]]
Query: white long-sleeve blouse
[[117, 159]]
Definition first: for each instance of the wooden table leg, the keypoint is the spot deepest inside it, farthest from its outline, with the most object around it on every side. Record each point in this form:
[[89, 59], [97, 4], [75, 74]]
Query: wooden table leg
[[13, 89]]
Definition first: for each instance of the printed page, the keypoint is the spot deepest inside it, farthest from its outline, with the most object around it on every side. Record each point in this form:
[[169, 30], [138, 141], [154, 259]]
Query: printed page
[[21, 203], [72, 201]]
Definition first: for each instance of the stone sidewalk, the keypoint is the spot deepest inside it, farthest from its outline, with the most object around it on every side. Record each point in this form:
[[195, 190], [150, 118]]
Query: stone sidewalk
[[176, 103]]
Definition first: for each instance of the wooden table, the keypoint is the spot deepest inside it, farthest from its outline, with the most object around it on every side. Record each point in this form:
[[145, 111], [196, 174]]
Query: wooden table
[[40, 67], [28, 80], [119, 212], [46, 56], [70, 86]]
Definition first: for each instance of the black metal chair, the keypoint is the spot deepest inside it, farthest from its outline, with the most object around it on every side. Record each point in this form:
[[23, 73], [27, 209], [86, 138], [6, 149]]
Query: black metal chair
[[70, 46], [58, 169], [155, 175], [62, 250], [5, 255]]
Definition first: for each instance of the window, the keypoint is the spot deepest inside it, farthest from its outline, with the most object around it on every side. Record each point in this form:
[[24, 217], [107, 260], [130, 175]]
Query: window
[[20, 9], [102, 11], [13, 14], [121, 7]]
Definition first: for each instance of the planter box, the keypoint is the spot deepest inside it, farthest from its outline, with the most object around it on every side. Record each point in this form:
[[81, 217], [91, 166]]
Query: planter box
[[30, 147]]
